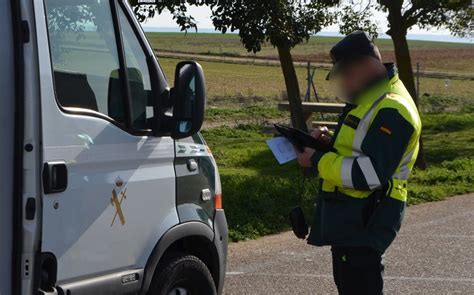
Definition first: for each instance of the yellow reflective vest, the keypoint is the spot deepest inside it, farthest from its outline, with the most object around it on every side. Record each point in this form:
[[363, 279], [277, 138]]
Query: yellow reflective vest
[[364, 180]]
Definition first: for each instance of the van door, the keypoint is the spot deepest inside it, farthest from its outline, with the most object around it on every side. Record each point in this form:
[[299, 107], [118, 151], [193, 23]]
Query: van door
[[7, 113], [109, 184]]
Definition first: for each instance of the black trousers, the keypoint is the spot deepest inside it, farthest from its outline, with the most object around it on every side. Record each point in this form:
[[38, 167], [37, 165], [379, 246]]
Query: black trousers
[[357, 270]]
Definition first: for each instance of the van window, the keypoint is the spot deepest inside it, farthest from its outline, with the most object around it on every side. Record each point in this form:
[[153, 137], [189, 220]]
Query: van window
[[137, 73], [85, 56]]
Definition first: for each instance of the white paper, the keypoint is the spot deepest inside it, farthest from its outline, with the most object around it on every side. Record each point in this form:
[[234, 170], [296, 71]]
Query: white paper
[[282, 149]]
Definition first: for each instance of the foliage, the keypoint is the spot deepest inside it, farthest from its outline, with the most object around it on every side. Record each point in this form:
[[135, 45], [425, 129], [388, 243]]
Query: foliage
[[452, 177], [63, 19], [448, 122], [357, 17], [287, 22], [453, 15], [178, 10], [281, 23]]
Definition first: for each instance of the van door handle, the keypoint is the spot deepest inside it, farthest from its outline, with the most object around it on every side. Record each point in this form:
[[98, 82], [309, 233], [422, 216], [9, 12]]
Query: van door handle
[[192, 165], [54, 177]]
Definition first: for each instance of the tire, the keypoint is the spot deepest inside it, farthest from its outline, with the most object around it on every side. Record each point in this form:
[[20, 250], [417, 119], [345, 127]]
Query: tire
[[182, 274]]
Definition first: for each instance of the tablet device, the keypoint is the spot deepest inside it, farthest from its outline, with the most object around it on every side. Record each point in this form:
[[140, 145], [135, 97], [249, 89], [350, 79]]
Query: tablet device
[[301, 139]]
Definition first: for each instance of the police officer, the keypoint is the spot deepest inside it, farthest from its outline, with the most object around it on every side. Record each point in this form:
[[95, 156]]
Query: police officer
[[363, 192]]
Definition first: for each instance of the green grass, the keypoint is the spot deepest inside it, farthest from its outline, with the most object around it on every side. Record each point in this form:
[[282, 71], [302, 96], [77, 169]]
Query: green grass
[[256, 114], [232, 85], [450, 177], [258, 193], [448, 136], [442, 104]]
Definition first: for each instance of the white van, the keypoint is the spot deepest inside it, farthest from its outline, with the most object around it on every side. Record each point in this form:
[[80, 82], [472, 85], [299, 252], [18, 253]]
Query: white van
[[106, 185]]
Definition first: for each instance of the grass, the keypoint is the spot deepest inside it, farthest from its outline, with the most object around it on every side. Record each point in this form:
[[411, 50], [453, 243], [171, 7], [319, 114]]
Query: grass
[[442, 56], [450, 177], [258, 193], [236, 85], [256, 114], [448, 136]]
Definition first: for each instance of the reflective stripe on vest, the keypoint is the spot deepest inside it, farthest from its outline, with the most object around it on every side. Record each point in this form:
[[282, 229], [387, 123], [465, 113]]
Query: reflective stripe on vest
[[363, 127], [404, 170], [346, 171], [351, 136], [364, 162], [369, 172]]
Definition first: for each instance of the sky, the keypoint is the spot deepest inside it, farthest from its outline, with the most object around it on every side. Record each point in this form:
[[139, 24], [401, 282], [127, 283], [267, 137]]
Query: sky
[[202, 16]]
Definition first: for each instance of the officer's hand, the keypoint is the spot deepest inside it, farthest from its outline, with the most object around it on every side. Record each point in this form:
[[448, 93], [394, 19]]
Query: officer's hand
[[322, 133], [304, 158]]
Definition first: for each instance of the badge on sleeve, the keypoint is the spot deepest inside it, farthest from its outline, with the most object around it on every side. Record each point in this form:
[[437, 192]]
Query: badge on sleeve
[[386, 130], [352, 121]]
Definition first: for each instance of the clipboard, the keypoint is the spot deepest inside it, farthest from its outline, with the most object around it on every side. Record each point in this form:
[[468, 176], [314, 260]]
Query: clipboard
[[302, 139]]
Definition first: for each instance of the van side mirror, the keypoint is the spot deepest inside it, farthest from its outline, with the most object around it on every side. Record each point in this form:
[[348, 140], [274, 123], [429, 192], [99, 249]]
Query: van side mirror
[[189, 99]]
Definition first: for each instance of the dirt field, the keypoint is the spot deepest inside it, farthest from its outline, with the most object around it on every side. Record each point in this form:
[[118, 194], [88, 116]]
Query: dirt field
[[443, 59], [232, 84], [450, 57]]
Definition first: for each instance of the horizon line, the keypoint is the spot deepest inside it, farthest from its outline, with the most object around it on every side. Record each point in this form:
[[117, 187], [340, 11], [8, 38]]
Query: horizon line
[[446, 38]]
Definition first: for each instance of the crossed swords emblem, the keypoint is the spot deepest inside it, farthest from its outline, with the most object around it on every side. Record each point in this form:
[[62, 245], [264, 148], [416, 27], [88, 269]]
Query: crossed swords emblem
[[117, 203]]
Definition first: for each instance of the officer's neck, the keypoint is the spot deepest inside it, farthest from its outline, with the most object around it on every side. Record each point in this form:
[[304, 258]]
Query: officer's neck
[[373, 88]]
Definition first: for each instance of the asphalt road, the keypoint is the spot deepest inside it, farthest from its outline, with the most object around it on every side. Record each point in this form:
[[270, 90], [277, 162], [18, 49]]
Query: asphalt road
[[433, 254]]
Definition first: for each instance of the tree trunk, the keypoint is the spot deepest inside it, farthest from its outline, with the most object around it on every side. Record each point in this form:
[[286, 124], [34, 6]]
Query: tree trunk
[[403, 58], [292, 88], [405, 70]]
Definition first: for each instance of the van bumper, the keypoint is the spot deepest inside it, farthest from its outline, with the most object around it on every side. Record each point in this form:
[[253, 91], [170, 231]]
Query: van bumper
[[220, 241]]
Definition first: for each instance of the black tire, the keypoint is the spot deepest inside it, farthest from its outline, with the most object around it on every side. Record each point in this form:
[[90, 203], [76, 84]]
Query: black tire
[[182, 271]]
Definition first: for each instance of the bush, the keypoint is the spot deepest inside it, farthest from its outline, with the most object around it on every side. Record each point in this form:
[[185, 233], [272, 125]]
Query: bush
[[438, 182], [448, 122], [259, 205]]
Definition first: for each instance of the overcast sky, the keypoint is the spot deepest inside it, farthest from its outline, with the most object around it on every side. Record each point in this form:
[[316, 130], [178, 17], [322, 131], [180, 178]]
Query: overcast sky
[[202, 15]]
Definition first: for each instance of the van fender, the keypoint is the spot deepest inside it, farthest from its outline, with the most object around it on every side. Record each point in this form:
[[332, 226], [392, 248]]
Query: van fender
[[176, 233]]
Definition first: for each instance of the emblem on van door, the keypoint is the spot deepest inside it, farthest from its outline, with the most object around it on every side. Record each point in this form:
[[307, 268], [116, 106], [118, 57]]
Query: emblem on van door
[[118, 196], [206, 195]]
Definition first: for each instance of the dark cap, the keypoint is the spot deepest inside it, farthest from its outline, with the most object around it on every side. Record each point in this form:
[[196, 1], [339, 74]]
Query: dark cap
[[353, 47]]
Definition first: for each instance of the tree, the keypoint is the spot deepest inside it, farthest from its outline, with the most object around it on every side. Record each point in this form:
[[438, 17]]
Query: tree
[[282, 23], [454, 15], [178, 10]]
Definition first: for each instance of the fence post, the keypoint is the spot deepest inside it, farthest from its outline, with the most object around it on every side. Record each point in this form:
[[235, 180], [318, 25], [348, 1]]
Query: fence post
[[308, 79]]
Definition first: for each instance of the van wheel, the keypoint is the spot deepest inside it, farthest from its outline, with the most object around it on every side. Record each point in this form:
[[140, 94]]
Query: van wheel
[[182, 274]]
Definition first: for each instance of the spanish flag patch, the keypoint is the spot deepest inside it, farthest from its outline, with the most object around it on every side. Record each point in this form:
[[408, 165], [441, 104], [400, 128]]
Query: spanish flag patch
[[385, 130]]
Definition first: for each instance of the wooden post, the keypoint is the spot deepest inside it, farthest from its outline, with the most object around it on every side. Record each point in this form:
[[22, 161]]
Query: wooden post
[[292, 87], [308, 80]]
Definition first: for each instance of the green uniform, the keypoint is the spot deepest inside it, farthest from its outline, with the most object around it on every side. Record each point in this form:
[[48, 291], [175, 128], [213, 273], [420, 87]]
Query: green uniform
[[364, 181]]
